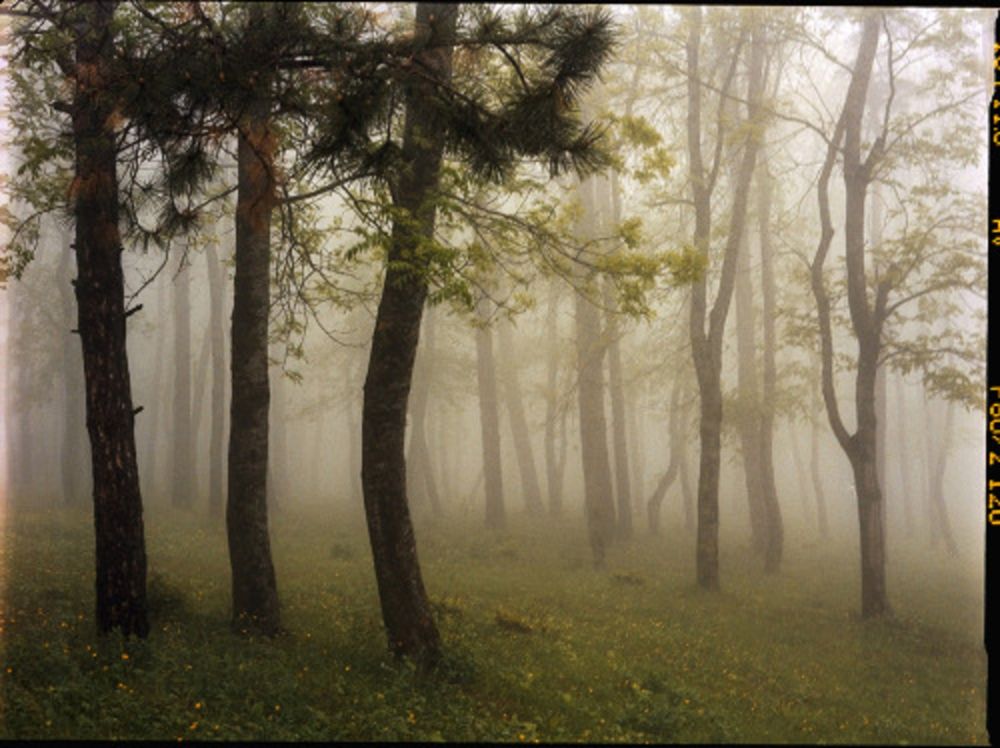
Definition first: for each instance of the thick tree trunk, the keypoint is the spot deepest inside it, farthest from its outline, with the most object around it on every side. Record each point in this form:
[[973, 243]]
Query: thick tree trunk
[[255, 593], [489, 419], [181, 443], [217, 331], [598, 492], [520, 433], [405, 608], [100, 295]]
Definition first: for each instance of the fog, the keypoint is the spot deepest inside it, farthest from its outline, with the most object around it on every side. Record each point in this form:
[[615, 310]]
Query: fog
[[562, 320]]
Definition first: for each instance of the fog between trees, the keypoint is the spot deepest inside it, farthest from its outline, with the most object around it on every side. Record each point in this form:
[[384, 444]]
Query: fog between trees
[[711, 274]]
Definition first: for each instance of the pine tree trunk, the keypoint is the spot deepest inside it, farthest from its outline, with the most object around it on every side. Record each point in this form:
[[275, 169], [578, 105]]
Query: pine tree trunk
[[489, 418], [100, 295], [520, 433], [255, 593], [405, 609]]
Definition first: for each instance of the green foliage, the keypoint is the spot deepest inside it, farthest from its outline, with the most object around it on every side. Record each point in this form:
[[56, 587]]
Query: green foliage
[[770, 660]]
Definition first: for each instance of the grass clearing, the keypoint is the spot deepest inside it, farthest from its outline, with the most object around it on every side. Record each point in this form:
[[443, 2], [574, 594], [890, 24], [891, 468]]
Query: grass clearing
[[539, 647]]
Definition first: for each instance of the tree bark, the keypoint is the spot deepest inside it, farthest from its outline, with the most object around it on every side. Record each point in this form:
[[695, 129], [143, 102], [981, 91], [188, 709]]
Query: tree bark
[[405, 609], [520, 433], [100, 295], [489, 419], [255, 593], [815, 470]]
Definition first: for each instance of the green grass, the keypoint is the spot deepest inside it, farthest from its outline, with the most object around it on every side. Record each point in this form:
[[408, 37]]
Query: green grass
[[539, 645]]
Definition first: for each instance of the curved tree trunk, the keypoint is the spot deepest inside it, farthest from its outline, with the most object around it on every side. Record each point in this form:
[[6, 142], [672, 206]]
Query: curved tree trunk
[[655, 502], [100, 296], [405, 608]]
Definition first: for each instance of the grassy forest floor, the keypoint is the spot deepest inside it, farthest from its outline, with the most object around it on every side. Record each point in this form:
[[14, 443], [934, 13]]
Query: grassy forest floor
[[539, 646]]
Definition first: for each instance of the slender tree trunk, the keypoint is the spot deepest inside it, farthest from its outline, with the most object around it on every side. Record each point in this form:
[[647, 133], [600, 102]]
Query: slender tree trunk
[[489, 418], [217, 331], [405, 609], [598, 492], [553, 475], [182, 447], [637, 453], [519, 430], [676, 434], [255, 592], [198, 399], [688, 493], [100, 295]]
